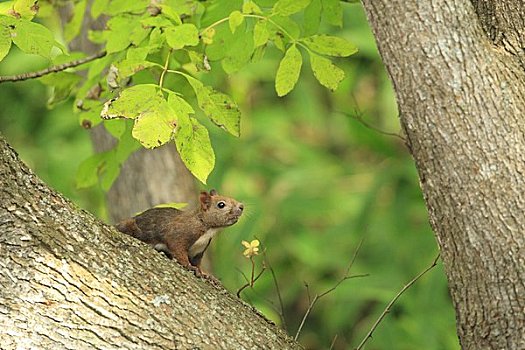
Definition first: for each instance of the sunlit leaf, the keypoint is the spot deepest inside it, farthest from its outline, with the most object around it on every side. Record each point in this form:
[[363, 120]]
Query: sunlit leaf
[[330, 45], [33, 38], [288, 71], [289, 7], [5, 41], [194, 146], [132, 102], [220, 108], [155, 126], [235, 20], [326, 72], [260, 34], [183, 35]]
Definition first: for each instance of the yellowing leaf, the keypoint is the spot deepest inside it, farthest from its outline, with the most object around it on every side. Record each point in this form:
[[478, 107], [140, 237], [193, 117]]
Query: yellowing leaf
[[235, 19], [183, 35], [132, 102], [251, 7], [26, 9], [194, 146], [326, 72], [330, 45], [220, 108], [156, 126], [288, 71], [33, 38], [260, 34], [289, 7]]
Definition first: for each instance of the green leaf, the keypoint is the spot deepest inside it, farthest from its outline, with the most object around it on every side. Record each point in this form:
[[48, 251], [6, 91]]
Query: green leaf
[[98, 7], [110, 174], [62, 84], [239, 52], [289, 7], [220, 108], [328, 74], [72, 28], [115, 127], [127, 144], [235, 20], [26, 9], [116, 7], [333, 12], [218, 10], [129, 67], [5, 41], [170, 13], [251, 7], [33, 38], [88, 170], [184, 35], [330, 45], [312, 17], [156, 126], [118, 35], [260, 34], [179, 105], [292, 28], [288, 71], [132, 102], [194, 146]]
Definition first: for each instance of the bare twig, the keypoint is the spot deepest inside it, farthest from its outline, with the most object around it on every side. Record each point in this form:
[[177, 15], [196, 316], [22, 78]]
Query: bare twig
[[358, 115], [333, 342], [328, 291], [277, 289], [392, 302], [52, 69], [253, 278]]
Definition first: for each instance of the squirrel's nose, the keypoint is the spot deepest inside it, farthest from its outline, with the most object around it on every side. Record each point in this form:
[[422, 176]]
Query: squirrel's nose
[[241, 206]]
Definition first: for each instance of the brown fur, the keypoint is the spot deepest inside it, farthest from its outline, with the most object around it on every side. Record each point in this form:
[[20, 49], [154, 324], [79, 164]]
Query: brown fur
[[175, 231]]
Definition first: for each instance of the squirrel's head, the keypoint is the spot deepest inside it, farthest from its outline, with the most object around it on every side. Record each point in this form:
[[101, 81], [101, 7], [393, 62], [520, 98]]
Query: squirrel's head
[[219, 211]]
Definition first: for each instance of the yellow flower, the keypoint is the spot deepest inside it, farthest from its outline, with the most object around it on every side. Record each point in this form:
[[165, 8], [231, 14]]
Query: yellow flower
[[252, 248]]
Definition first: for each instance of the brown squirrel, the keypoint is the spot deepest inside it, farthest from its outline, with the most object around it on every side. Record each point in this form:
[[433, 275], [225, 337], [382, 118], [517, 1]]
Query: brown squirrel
[[184, 235]]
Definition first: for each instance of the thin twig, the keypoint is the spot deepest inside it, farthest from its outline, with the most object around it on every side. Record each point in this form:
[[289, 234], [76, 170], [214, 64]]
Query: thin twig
[[52, 69], [333, 342], [392, 302], [358, 115], [328, 291], [277, 289]]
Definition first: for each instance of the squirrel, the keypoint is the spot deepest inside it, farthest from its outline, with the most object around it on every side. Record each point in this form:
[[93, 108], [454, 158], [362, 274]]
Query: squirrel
[[184, 235]]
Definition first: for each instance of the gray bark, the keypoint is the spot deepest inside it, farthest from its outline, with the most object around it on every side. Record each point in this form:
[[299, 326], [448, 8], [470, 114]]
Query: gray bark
[[457, 69], [69, 281]]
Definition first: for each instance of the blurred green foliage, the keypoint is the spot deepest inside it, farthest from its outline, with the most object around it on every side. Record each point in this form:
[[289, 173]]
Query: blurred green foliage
[[315, 182]]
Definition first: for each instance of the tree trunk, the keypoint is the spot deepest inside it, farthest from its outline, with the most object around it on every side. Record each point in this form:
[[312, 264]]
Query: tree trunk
[[457, 69], [68, 281]]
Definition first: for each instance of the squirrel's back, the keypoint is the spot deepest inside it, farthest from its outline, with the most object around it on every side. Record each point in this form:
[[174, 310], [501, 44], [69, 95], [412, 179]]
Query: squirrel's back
[[149, 225]]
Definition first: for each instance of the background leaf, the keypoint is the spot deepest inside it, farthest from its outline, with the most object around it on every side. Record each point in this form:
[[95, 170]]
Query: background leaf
[[5, 41]]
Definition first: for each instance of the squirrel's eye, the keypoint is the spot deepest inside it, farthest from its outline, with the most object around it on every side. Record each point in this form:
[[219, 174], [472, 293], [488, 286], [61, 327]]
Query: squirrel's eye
[[221, 205]]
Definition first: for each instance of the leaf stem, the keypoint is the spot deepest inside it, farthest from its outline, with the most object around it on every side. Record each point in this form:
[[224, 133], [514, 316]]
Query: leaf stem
[[165, 69]]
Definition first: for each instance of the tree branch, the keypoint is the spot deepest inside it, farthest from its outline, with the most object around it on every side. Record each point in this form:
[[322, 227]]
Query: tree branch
[[392, 302], [52, 69]]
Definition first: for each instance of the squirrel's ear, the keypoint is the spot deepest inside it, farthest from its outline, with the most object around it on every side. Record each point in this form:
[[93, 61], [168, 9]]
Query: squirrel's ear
[[205, 200], [213, 192]]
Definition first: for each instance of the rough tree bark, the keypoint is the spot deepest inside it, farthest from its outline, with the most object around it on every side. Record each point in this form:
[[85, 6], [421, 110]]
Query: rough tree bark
[[457, 69], [70, 282]]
